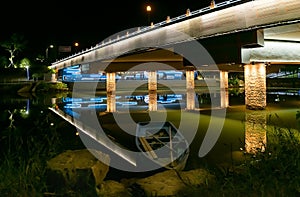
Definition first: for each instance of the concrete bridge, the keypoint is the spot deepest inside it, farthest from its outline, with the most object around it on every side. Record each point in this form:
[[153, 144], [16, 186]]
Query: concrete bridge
[[249, 36]]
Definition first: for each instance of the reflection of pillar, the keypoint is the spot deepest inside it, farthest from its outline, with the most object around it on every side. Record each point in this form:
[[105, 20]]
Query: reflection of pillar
[[111, 92], [255, 86], [152, 90], [190, 90], [224, 99], [255, 131]]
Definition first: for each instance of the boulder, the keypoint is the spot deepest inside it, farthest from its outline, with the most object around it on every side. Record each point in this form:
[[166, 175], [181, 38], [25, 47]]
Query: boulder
[[174, 183], [77, 170], [111, 188]]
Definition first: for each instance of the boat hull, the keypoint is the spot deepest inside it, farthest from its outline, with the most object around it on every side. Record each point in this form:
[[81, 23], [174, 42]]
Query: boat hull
[[163, 144]]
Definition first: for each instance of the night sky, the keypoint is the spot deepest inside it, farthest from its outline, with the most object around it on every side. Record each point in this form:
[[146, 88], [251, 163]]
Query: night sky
[[88, 22]]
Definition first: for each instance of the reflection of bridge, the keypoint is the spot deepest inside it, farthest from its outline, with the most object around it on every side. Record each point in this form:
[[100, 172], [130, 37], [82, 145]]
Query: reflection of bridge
[[237, 35]]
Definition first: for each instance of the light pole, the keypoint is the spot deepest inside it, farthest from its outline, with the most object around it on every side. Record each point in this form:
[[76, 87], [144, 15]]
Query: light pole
[[212, 4], [27, 71], [47, 50], [148, 9], [76, 45]]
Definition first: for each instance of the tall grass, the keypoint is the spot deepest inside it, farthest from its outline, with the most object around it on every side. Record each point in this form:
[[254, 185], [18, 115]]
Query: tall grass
[[26, 145]]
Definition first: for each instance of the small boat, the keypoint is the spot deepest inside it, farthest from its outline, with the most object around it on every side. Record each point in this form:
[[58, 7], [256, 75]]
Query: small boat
[[162, 143]]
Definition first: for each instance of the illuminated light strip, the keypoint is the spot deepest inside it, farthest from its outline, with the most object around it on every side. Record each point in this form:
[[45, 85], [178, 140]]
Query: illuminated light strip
[[120, 153]]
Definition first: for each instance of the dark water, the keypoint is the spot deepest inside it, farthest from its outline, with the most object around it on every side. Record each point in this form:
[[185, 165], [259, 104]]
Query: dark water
[[27, 111]]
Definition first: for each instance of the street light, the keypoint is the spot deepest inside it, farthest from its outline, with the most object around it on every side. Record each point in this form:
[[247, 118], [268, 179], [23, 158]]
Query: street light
[[27, 71], [76, 45], [148, 9], [47, 49], [212, 4]]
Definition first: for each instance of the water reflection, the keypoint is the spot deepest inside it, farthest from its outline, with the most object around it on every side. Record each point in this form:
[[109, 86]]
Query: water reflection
[[248, 127], [137, 102], [255, 131]]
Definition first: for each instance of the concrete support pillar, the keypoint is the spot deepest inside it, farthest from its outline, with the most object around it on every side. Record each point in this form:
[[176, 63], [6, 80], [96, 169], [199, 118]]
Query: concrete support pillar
[[152, 90], [111, 92], [255, 86], [255, 131], [53, 77], [190, 89], [224, 97]]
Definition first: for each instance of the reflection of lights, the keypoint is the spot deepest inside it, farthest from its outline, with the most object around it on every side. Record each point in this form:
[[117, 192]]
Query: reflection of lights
[[89, 132], [27, 107], [255, 132], [72, 105], [24, 112]]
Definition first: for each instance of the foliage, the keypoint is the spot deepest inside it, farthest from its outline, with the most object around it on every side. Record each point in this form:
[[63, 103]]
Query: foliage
[[4, 62], [24, 63], [52, 71], [26, 147], [19, 56], [46, 87], [13, 46], [234, 81]]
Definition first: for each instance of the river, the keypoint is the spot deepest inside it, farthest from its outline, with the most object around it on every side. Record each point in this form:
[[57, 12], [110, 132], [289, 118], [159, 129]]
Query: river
[[241, 131]]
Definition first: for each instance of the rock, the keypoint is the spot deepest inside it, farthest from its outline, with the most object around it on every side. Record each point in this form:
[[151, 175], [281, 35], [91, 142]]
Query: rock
[[77, 170], [172, 183], [112, 188]]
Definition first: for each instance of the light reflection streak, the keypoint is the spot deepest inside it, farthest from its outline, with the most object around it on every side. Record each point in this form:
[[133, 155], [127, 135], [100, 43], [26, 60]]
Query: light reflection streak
[[103, 141]]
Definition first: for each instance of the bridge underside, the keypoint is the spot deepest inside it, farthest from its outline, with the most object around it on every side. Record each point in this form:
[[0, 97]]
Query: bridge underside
[[275, 46], [150, 59]]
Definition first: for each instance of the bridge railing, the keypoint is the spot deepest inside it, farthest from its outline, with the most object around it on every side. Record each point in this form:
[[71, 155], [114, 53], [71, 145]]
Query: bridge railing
[[155, 26]]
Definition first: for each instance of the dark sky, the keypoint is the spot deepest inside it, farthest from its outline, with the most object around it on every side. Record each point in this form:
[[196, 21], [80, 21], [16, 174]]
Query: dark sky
[[88, 22]]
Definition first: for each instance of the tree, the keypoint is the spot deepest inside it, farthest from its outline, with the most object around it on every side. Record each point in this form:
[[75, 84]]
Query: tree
[[3, 62], [14, 45], [25, 63]]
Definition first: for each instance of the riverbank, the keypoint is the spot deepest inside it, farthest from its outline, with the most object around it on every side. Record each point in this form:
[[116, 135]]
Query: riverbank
[[32, 87]]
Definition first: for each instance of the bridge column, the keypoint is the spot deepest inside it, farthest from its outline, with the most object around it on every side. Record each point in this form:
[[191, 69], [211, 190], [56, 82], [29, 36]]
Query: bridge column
[[190, 88], [152, 90], [255, 86], [224, 98], [111, 92]]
